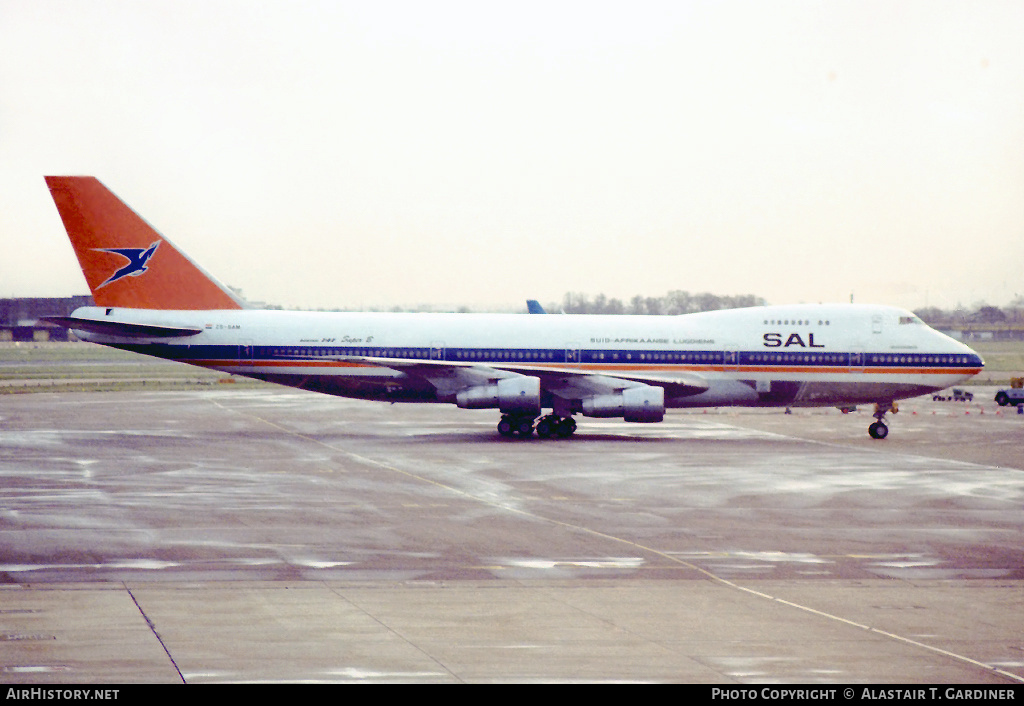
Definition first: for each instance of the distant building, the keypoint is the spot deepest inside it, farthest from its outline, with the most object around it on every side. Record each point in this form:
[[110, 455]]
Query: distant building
[[995, 331], [19, 318]]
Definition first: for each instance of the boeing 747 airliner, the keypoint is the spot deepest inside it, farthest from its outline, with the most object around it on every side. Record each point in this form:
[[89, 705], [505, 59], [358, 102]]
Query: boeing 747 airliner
[[537, 371]]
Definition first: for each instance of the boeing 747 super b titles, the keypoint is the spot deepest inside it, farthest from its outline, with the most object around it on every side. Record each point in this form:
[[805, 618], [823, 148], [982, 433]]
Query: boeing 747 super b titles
[[537, 371]]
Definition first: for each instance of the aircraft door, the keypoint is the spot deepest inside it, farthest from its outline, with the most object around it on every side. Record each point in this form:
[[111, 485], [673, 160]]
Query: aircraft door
[[245, 352], [437, 350], [573, 354], [857, 361]]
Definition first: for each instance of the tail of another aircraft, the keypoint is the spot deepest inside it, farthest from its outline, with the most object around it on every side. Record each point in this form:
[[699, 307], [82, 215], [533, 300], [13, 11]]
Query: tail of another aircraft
[[127, 263]]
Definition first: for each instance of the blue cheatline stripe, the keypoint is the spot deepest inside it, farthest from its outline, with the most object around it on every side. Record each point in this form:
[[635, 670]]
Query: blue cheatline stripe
[[211, 354]]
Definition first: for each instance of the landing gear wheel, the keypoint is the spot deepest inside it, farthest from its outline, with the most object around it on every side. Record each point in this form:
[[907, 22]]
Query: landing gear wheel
[[515, 425], [566, 428], [554, 427], [878, 430], [546, 427]]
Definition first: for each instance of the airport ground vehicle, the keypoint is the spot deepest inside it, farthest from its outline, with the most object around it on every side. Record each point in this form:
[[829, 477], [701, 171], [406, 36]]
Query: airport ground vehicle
[[954, 395], [1010, 396]]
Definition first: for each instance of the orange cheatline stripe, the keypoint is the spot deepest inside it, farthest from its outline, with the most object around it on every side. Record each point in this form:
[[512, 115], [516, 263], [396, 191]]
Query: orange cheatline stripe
[[623, 368]]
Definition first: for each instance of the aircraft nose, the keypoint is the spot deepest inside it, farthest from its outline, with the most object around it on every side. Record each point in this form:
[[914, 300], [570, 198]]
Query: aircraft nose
[[973, 359]]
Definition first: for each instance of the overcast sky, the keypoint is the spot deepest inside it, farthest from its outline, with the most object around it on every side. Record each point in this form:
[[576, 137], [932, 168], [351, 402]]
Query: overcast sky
[[374, 153]]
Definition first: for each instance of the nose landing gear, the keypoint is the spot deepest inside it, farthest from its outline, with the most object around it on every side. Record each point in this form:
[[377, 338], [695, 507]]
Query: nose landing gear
[[878, 429]]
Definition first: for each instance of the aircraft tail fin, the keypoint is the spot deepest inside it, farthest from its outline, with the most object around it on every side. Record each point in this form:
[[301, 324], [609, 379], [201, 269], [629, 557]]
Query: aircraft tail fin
[[126, 262]]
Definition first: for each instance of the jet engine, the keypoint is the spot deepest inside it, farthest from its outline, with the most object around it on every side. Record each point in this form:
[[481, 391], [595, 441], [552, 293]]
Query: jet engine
[[645, 403], [518, 395]]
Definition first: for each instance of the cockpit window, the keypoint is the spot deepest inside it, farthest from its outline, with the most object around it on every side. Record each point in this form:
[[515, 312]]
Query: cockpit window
[[910, 320]]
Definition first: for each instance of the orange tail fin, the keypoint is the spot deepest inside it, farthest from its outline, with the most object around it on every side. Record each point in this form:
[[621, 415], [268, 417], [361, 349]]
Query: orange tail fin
[[127, 263]]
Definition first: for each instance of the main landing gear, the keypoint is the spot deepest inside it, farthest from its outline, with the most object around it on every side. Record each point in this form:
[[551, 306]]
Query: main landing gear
[[549, 427], [878, 429]]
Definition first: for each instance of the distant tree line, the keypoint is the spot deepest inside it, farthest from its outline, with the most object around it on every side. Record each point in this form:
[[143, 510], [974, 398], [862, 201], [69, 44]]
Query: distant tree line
[[982, 313], [683, 302], [675, 302]]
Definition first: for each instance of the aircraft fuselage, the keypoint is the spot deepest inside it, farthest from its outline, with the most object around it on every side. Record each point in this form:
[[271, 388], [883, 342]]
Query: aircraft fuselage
[[153, 299], [806, 355]]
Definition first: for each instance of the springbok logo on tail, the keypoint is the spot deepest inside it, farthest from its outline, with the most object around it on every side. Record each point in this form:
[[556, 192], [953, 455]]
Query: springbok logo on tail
[[137, 259]]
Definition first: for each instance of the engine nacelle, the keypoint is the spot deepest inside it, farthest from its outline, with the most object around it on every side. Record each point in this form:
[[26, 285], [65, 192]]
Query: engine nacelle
[[518, 395], [642, 404]]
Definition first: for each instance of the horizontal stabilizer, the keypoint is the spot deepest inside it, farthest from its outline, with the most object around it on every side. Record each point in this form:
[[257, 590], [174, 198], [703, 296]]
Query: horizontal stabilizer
[[116, 328]]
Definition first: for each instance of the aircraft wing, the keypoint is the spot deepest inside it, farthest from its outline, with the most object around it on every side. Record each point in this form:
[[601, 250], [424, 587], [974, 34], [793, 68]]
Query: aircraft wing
[[449, 377], [576, 384]]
